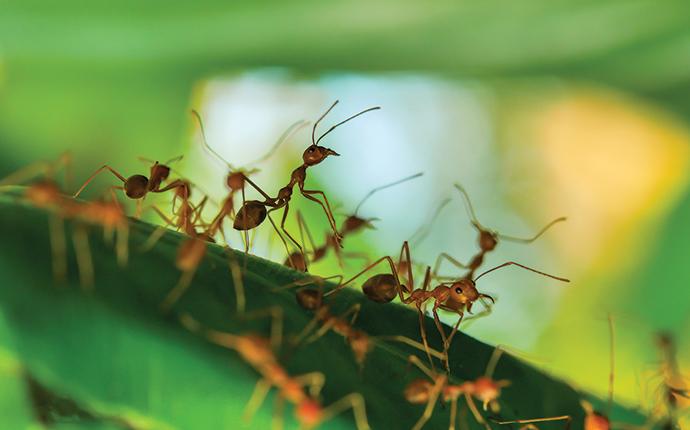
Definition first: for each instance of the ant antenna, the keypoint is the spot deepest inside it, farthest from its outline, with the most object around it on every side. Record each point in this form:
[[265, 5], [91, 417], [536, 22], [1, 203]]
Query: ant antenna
[[287, 134], [204, 141], [343, 122], [423, 231], [512, 263], [383, 187], [536, 236], [612, 364], [468, 206], [313, 130], [174, 159]]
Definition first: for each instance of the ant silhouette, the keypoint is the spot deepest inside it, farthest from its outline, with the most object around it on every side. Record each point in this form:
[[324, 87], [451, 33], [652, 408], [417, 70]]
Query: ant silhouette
[[260, 354], [488, 239], [457, 296], [253, 212], [352, 224], [237, 178]]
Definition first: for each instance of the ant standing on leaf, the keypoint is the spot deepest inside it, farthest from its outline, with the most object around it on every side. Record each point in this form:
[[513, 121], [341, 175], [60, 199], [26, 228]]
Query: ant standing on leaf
[[487, 240], [237, 178], [353, 224], [138, 186], [253, 212], [260, 353], [457, 296]]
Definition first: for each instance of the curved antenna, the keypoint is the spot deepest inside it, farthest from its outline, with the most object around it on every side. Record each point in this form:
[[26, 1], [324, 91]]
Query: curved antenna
[[612, 365], [536, 236], [313, 130], [512, 263], [468, 206], [423, 231], [343, 122], [383, 187], [174, 159], [204, 141], [287, 134]]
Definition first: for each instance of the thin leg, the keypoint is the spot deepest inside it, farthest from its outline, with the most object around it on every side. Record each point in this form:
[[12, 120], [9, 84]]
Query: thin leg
[[453, 413], [238, 283], [439, 326], [455, 327], [282, 227], [58, 245], [153, 239], [96, 173], [493, 362], [353, 401], [326, 207], [417, 362], [412, 343], [405, 254], [257, 398], [304, 228], [276, 314], [567, 418], [475, 411], [422, 331], [282, 239], [257, 188], [314, 380], [277, 419], [429, 409], [246, 233], [177, 292], [83, 254], [447, 257]]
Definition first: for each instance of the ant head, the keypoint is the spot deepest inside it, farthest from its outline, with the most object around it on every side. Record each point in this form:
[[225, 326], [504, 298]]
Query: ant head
[[487, 239], [381, 288], [418, 391], [354, 223], [251, 214], [487, 390], [235, 181], [297, 261], [136, 186], [309, 298], [315, 154], [464, 291], [308, 412]]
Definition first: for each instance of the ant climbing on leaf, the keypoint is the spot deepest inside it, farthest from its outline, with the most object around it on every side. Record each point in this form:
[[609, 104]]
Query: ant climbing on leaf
[[488, 239], [253, 212], [260, 353], [237, 178], [353, 224], [457, 296]]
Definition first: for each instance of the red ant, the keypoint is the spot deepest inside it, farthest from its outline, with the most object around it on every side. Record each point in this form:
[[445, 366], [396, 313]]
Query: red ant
[[138, 186], [253, 212], [259, 353], [237, 178], [353, 224], [457, 296], [487, 240], [675, 393]]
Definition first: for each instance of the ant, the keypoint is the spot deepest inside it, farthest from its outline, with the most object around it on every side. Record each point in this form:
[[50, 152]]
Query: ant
[[136, 187], [351, 225], [237, 178], [259, 353], [488, 239], [457, 296], [359, 341], [253, 212], [675, 393]]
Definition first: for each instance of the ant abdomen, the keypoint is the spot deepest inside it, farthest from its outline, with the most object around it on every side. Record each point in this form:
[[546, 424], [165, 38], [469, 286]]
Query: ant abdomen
[[381, 288], [309, 299], [251, 214], [136, 186]]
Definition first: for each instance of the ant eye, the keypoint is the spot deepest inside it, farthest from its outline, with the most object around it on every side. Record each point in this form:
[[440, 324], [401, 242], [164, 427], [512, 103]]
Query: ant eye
[[458, 290], [311, 149]]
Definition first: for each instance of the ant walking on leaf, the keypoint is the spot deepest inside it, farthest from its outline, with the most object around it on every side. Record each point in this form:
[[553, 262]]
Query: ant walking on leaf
[[260, 353], [253, 212], [353, 224], [457, 296], [488, 239]]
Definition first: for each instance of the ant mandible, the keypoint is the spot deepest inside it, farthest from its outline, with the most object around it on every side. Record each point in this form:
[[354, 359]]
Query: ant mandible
[[253, 212]]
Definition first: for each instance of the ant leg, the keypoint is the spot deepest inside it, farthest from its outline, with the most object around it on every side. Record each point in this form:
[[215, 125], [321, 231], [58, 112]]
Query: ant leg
[[447, 257], [245, 233], [455, 327], [493, 362], [353, 401], [368, 268], [453, 413], [257, 398], [405, 253], [314, 380], [304, 228], [326, 207], [238, 283], [282, 227], [282, 239], [179, 289], [412, 343], [475, 412], [417, 362], [309, 281], [567, 418], [96, 173], [277, 418], [122, 244], [431, 403], [256, 187], [276, 314], [422, 331], [226, 340], [83, 254], [58, 245]]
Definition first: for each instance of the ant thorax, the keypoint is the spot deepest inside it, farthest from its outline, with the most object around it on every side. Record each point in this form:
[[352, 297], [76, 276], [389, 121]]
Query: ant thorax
[[159, 173]]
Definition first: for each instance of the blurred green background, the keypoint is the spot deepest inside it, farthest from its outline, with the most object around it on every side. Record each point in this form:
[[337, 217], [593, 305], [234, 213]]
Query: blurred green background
[[540, 108]]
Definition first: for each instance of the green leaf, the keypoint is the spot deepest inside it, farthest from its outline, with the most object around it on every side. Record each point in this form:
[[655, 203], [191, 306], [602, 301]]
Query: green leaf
[[112, 351]]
